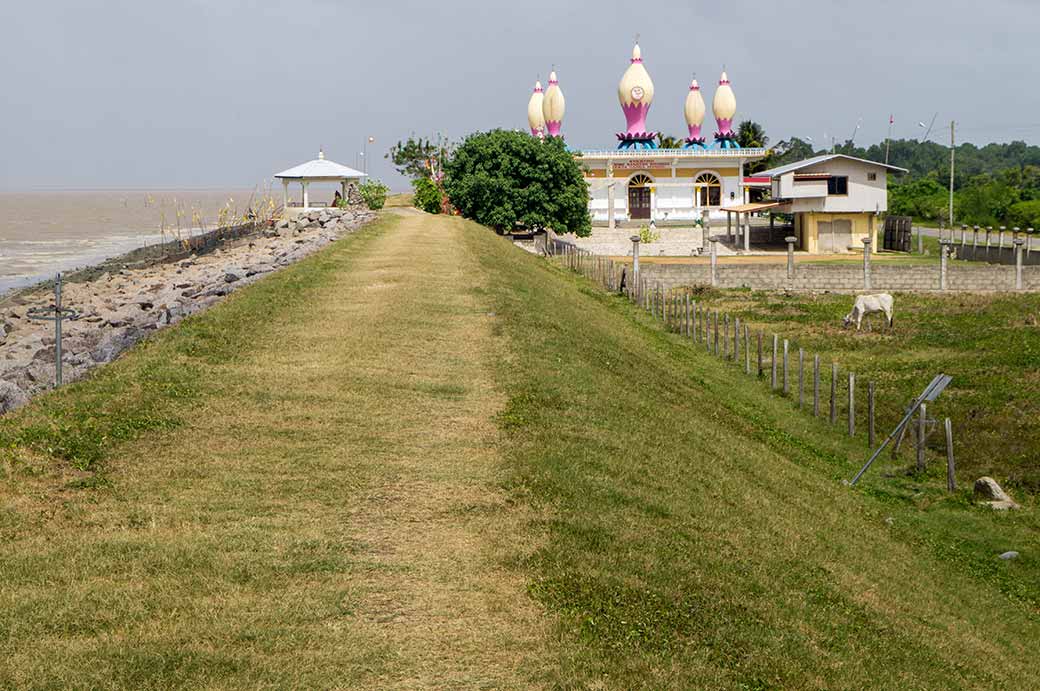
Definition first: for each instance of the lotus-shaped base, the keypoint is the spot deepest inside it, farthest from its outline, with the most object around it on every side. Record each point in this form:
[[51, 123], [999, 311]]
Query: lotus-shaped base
[[694, 143], [637, 140], [726, 140]]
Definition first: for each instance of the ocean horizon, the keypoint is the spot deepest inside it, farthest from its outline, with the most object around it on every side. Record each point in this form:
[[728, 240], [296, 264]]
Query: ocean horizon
[[43, 231]]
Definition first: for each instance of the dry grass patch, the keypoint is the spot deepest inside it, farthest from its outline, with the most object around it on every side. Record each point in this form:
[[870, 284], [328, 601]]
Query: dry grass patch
[[322, 513]]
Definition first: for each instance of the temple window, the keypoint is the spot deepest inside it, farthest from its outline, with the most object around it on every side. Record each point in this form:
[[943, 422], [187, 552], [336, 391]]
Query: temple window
[[708, 190]]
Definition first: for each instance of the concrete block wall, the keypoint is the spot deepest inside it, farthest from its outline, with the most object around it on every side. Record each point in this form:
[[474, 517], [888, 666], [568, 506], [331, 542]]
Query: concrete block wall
[[843, 278], [995, 254]]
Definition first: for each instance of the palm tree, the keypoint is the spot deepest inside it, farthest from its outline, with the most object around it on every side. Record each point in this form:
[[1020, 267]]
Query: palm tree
[[666, 142], [751, 135]]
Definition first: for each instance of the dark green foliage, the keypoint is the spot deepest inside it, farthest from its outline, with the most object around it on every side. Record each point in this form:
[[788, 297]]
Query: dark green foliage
[[666, 142], [1024, 214], [417, 157], [985, 200], [427, 195], [751, 135], [790, 151], [923, 198], [504, 179], [374, 193]]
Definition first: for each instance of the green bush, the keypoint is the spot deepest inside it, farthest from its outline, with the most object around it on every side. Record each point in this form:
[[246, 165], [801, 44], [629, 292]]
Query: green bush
[[1024, 214], [427, 195], [374, 193], [647, 236], [502, 179]]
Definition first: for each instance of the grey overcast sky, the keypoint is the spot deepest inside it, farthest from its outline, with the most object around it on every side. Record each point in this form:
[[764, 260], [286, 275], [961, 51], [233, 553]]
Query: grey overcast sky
[[200, 93]]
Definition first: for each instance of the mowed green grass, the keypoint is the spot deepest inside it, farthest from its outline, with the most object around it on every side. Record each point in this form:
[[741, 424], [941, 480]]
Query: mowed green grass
[[989, 344], [699, 534], [426, 459]]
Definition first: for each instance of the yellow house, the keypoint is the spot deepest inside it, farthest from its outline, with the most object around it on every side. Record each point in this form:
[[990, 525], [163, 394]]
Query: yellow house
[[836, 200]]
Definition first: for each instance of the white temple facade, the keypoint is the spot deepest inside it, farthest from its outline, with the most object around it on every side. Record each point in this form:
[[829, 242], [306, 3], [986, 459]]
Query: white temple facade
[[640, 181]]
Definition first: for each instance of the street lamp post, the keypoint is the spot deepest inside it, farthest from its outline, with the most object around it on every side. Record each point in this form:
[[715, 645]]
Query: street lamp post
[[364, 153]]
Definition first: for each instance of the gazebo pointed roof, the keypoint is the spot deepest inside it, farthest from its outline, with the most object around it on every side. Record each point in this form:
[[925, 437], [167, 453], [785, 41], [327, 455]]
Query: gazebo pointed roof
[[320, 169]]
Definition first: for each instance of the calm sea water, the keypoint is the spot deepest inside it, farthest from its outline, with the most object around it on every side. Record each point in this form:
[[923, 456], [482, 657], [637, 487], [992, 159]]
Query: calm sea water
[[45, 232]]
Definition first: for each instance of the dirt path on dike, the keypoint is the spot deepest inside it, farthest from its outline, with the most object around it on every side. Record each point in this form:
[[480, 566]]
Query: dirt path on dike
[[331, 515]]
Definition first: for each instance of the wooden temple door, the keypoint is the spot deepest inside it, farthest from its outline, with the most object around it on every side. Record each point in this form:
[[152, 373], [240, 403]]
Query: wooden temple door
[[639, 197]]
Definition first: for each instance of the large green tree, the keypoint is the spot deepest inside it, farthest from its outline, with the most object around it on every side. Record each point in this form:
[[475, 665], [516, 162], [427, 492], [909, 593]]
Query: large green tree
[[419, 158], [504, 179]]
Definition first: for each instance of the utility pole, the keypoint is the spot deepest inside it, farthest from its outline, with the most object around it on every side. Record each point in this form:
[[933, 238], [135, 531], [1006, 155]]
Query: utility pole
[[888, 139], [952, 150]]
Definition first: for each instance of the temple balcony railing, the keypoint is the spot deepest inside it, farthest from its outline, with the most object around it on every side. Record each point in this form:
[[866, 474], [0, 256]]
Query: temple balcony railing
[[674, 153]]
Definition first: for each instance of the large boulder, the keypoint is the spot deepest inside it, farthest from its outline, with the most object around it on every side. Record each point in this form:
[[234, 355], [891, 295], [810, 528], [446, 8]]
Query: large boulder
[[115, 342], [234, 273], [987, 491], [11, 397]]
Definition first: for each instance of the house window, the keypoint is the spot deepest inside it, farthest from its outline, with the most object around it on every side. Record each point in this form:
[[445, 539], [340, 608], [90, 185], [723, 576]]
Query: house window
[[871, 177], [838, 184]]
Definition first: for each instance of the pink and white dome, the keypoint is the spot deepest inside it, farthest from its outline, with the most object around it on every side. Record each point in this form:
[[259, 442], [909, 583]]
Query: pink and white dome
[[724, 105], [636, 93], [553, 106], [535, 117], [694, 110]]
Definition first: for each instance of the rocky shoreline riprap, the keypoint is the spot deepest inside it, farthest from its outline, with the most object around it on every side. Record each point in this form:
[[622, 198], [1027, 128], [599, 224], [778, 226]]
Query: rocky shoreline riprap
[[120, 307]]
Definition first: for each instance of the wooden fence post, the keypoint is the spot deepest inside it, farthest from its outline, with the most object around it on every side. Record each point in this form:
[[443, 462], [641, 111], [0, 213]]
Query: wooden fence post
[[834, 393], [736, 339], [759, 354], [870, 414], [747, 350], [725, 337], [715, 329], [951, 480], [776, 343], [686, 316], [707, 331], [816, 386], [786, 389], [852, 404], [920, 436], [801, 377]]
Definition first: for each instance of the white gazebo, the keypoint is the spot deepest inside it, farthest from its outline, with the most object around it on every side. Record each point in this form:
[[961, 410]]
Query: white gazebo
[[318, 170]]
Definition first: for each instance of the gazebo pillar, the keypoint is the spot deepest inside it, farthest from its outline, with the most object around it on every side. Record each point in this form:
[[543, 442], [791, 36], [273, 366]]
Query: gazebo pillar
[[343, 187], [285, 193], [306, 201]]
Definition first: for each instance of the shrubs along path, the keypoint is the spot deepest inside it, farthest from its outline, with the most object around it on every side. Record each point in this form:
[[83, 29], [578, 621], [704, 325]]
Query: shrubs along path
[[425, 459]]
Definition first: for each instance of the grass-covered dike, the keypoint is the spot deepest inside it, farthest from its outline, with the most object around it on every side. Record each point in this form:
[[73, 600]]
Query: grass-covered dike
[[425, 459]]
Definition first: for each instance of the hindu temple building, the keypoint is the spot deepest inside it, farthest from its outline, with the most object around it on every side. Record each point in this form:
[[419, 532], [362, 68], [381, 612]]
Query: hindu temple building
[[831, 203], [637, 180]]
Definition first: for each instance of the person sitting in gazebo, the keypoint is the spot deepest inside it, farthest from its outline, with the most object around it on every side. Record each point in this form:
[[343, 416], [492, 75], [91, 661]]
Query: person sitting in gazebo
[[337, 201]]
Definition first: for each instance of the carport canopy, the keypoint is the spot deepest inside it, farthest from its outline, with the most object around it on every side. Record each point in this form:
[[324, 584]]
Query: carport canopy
[[752, 208]]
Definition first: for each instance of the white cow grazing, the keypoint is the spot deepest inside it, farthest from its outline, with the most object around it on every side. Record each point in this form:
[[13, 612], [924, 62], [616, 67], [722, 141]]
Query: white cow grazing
[[869, 304]]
